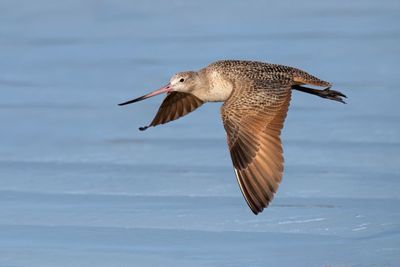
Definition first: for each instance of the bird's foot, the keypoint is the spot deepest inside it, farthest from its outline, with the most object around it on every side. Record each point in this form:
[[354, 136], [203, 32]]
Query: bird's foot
[[332, 95]]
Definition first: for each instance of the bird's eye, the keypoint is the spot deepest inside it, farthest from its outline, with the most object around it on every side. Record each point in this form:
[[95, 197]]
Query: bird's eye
[[182, 80]]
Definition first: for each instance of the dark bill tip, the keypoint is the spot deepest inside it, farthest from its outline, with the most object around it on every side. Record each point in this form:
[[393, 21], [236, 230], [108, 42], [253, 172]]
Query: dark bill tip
[[132, 101], [164, 89]]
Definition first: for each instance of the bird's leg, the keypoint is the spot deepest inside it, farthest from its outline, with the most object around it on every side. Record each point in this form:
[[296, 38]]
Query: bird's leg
[[325, 93]]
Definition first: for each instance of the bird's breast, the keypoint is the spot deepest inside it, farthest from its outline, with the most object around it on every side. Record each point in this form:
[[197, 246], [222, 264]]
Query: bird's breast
[[219, 88]]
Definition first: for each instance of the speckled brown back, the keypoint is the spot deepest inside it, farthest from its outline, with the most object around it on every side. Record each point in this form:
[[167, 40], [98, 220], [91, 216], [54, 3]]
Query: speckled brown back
[[254, 70]]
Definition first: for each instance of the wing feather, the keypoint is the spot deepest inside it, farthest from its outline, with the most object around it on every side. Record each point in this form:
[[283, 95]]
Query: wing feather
[[253, 118], [174, 106]]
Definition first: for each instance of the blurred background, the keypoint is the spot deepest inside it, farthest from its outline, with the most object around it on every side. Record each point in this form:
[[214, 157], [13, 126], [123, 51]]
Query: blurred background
[[81, 186]]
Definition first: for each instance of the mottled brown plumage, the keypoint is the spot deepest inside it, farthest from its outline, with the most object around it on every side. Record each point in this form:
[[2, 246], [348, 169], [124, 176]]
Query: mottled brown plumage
[[256, 98], [174, 106]]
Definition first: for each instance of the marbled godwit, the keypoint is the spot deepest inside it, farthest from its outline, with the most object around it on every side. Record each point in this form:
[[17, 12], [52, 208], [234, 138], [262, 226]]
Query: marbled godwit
[[256, 98]]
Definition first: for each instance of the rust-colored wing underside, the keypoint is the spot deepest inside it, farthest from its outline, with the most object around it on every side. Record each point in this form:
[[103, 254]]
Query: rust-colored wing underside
[[174, 106], [253, 118]]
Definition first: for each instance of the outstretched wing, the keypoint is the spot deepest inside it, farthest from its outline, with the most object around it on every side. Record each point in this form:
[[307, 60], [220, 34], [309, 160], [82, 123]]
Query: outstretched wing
[[253, 117], [174, 106]]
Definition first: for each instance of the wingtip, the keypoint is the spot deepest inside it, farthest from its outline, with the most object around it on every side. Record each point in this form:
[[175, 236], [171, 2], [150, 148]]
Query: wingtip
[[143, 128], [255, 212]]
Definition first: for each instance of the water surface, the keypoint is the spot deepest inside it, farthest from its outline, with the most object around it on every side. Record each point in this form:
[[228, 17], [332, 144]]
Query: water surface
[[81, 186]]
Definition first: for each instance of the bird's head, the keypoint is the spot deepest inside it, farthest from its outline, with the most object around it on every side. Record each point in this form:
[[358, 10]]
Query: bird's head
[[181, 82], [184, 81]]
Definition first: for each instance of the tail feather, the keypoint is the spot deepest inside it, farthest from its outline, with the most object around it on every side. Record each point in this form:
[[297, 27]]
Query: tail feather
[[301, 77]]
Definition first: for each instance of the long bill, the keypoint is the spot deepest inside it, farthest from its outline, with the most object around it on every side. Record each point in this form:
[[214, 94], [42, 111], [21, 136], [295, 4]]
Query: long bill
[[165, 89]]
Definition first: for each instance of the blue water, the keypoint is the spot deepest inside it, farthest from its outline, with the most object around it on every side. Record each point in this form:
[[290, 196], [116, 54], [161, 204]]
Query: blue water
[[81, 186]]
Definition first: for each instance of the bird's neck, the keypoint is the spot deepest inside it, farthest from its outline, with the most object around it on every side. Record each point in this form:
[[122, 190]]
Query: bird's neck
[[214, 87]]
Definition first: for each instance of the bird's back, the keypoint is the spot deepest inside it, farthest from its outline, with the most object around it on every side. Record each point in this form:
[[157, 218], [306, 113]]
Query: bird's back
[[255, 70]]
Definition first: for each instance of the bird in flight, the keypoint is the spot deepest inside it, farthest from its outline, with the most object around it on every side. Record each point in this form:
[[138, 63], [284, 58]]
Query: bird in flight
[[256, 98]]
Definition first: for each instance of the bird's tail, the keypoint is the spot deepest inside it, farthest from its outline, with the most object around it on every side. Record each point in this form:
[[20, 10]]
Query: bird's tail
[[325, 93]]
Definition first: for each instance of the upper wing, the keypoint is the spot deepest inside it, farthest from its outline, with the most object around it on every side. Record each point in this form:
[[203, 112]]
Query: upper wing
[[253, 117], [174, 106]]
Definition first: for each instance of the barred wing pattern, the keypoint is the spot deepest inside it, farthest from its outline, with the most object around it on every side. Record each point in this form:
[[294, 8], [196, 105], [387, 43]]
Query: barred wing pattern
[[253, 117]]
